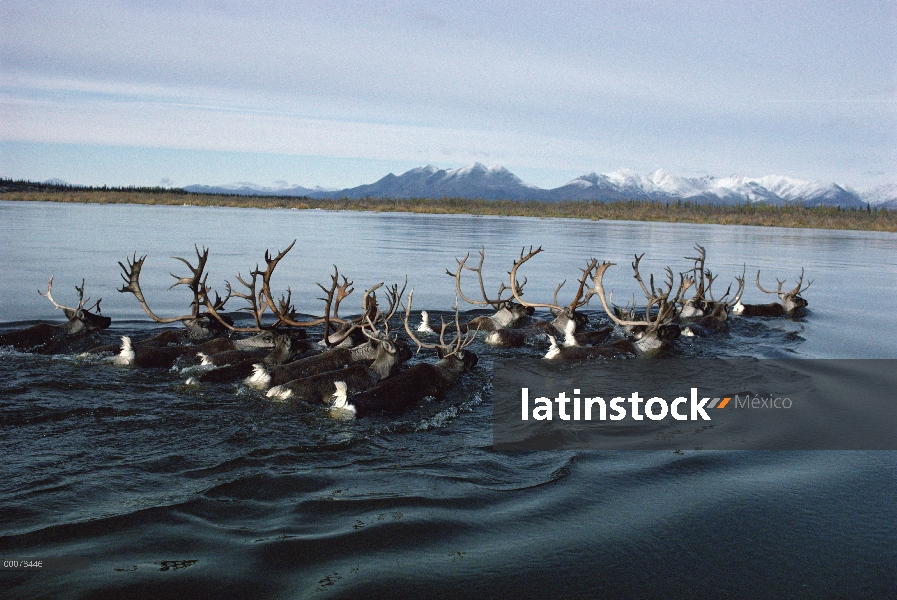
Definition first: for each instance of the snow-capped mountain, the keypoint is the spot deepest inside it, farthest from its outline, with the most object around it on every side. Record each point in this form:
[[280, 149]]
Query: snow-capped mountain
[[497, 183], [251, 189], [663, 185], [475, 181], [882, 196]]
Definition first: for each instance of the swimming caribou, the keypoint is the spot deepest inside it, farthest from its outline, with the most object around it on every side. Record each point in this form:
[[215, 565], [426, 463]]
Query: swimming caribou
[[289, 357], [51, 338]]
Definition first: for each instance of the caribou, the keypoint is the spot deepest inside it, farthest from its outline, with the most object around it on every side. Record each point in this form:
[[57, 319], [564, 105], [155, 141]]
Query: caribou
[[404, 390], [562, 314], [51, 338], [791, 302], [382, 352], [368, 364], [358, 356], [286, 347], [653, 333], [198, 326]]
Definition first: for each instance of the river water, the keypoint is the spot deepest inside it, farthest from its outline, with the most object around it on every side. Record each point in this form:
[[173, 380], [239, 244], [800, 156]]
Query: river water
[[217, 492]]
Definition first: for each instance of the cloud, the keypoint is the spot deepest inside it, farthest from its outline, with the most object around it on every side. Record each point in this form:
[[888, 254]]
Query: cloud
[[592, 85]]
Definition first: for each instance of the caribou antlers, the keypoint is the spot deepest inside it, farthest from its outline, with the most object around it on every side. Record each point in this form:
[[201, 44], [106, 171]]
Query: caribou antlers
[[261, 300], [791, 300], [71, 313], [460, 342], [657, 331], [797, 291], [196, 283], [579, 300], [499, 302]]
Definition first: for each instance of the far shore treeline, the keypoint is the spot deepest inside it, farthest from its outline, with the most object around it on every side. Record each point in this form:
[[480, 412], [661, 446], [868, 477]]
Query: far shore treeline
[[673, 211]]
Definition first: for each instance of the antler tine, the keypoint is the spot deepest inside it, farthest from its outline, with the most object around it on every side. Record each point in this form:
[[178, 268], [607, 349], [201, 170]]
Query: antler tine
[[49, 296], [740, 291], [461, 341], [462, 265], [271, 264], [685, 282], [638, 276], [394, 295], [651, 302], [479, 272], [340, 292], [722, 298], [217, 305], [131, 273], [765, 291], [665, 314], [712, 278], [698, 270], [367, 310], [131, 276], [659, 292], [457, 329], [285, 313], [255, 308], [220, 302], [513, 280], [554, 298], [465, 340], [457, 276], [702, 255], [82, 301], [285, 302], [578, 300], [378, 316], [194, 281], [797, 289], [598, 280]]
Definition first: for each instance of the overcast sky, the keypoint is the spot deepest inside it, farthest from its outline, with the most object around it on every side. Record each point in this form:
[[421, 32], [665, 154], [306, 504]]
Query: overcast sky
[[340, 93]]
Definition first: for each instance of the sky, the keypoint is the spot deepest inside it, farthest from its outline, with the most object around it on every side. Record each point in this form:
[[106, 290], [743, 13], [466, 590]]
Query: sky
[[338, 94]]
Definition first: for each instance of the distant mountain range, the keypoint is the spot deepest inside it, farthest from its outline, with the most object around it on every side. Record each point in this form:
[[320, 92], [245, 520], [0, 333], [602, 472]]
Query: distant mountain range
[[497, 183]]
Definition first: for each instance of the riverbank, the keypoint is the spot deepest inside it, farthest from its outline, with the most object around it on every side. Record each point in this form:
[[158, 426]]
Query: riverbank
[[676, 212]]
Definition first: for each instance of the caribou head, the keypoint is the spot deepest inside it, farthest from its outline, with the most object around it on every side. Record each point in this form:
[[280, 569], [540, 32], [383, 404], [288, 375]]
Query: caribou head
[[82, 321], [791, 300]]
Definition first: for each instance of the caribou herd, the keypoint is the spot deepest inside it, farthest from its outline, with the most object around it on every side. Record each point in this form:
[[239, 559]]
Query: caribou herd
[[356, 368]]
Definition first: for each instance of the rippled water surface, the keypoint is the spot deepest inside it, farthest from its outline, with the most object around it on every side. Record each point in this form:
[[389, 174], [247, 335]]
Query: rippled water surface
[[217, 492]]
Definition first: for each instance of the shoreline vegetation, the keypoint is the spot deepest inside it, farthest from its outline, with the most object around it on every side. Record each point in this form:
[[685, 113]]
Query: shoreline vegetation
[[823, 217]]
